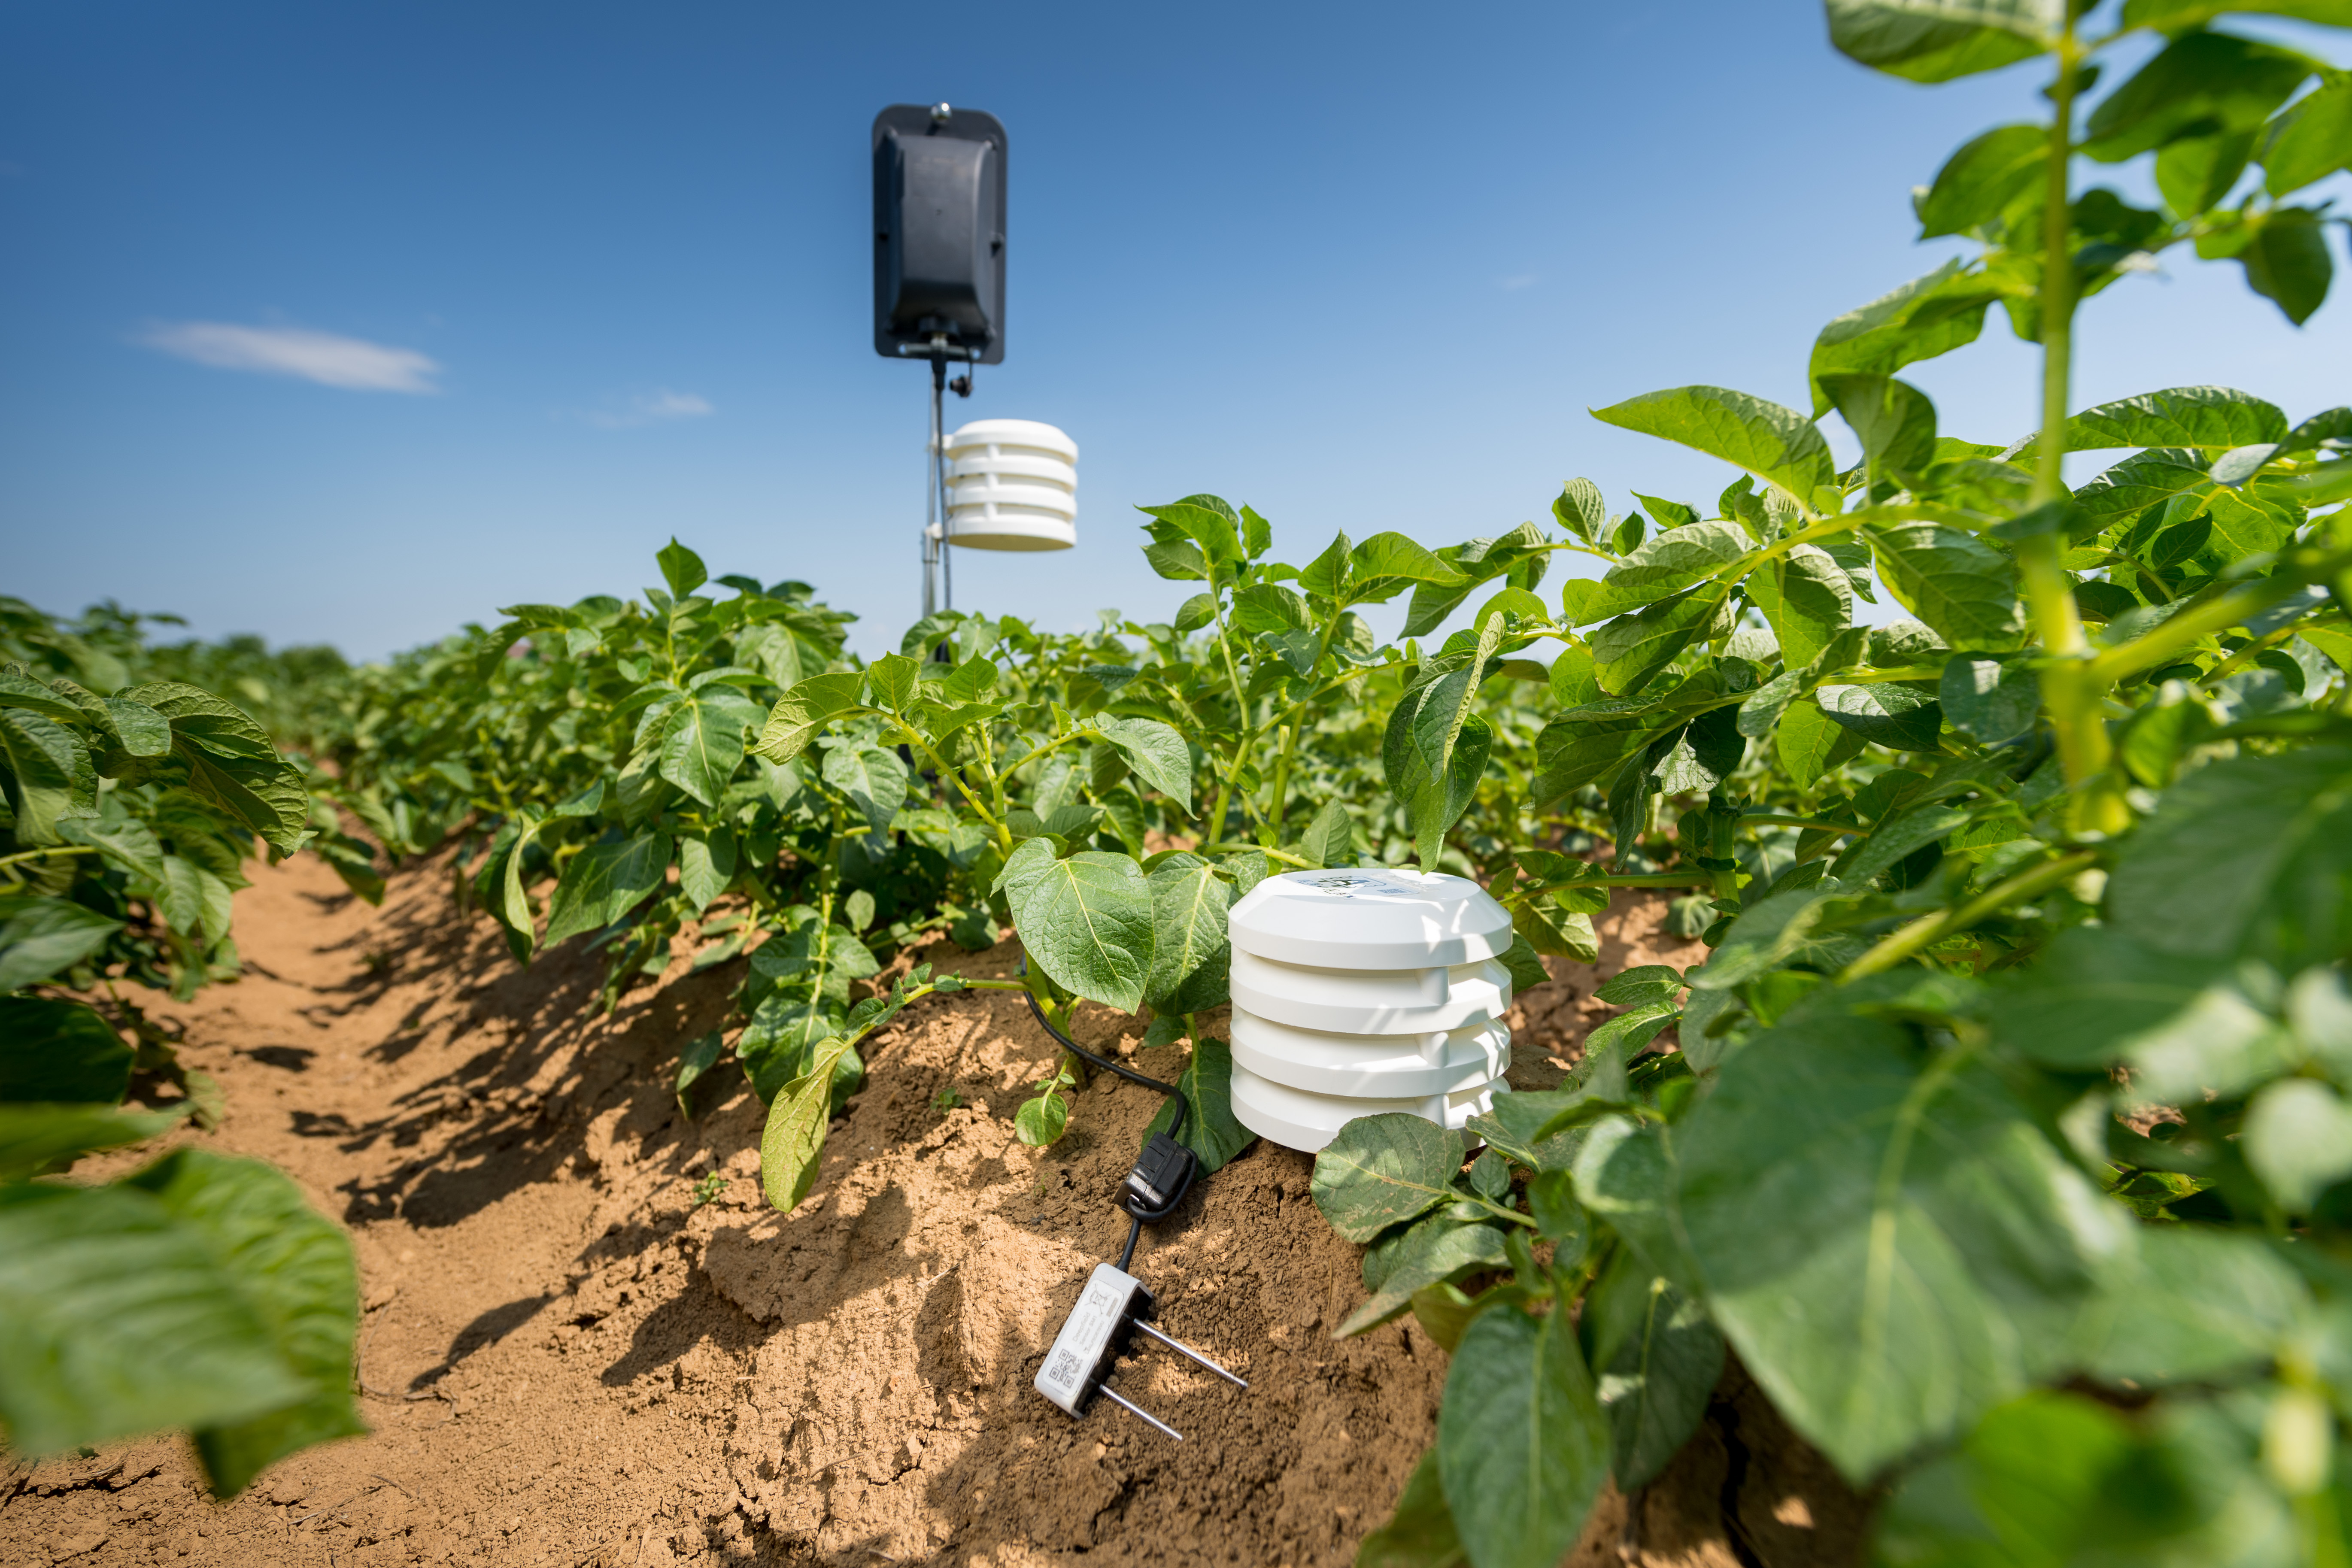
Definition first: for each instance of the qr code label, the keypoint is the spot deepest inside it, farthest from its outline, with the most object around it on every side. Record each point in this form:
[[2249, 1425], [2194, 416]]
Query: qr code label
[[1064, 1369]]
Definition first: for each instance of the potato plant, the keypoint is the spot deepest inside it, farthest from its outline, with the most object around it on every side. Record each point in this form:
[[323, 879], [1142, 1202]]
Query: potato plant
[[2006, 1142], [201, 1292]]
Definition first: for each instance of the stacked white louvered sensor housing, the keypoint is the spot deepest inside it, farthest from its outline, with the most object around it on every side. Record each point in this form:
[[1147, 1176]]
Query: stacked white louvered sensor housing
[[1013, 484], [1358, 991]]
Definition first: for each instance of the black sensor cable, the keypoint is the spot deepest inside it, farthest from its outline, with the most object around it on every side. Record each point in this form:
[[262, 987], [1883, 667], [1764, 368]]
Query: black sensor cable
[[1165, 1174]]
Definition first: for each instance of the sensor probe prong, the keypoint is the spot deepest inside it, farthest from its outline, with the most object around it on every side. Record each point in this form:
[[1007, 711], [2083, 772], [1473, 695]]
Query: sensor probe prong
[[1112, 1395], [1184, 1349]]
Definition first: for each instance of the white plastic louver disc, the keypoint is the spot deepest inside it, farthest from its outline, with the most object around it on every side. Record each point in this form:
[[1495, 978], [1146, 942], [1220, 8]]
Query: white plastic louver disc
[[1297, 1119], [1370, 1002], [1389, 919], [1383, 1066]]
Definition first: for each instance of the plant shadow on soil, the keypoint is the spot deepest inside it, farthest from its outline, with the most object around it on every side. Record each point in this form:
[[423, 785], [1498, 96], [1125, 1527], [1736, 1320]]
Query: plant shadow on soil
[[583, 1365]]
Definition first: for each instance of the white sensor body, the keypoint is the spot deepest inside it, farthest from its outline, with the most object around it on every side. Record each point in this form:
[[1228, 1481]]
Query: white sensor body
[[1013, 484], [1360, 992]]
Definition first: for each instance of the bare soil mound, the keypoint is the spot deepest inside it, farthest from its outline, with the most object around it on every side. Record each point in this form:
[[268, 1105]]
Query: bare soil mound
[[567, 1361]]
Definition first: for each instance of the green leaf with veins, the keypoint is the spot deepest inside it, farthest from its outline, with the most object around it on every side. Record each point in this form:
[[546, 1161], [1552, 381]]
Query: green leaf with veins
[[1522, 1446], [1157, 753], [874, 778], [119, 1319], [2214, 418], [1939, 40], [1775, 444], [2252, 856], [1955, 582], [806, 708], [1631, 651], [1893, 420], [1382, 1170], [1435, 1250], [681, 568], [1982, 178], [1659, 1359], [1929, 316], [1676, 560], [702, 741], [294, 1268], [1189, 953], [1888, 1239], [604, 882], [1900, 717], [1087, 921], [2199, 82], [1806, 598]]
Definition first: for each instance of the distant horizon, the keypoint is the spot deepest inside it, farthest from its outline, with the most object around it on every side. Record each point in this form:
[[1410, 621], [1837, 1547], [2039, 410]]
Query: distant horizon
[[351, 327]]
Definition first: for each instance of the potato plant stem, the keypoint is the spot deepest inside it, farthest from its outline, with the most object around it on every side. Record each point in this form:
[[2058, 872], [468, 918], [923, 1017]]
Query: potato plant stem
[[1930, 930], [2071, 692], [2216, 615]]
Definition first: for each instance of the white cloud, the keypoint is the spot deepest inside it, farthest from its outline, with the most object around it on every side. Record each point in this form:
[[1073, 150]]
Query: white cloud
[[325, 358], [657, 408]]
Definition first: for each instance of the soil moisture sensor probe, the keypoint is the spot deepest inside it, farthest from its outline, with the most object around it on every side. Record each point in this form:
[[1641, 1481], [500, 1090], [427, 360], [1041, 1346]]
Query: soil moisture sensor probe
[[1115, 1303]]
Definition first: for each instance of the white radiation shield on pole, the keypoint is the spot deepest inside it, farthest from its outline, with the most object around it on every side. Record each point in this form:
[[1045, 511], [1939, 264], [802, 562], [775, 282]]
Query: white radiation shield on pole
[[1012, 484]]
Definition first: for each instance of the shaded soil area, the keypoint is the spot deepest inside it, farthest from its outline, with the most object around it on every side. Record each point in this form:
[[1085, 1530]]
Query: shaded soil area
[[567, 1360]]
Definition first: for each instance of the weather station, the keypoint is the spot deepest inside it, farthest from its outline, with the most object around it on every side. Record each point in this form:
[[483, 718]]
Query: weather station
[[940, 207]]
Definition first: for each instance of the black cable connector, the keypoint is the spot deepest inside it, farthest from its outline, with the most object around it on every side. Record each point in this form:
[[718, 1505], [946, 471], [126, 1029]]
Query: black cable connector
[[1115, 1301]]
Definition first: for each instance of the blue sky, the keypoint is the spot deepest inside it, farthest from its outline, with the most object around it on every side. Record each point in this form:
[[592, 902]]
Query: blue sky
[[1362, 267]]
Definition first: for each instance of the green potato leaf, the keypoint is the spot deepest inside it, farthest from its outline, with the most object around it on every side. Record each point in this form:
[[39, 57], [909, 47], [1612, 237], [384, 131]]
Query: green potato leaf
[[117, 1319], [1087, 921], [1433, 1250], [1807, 598], [681, 568], [1775, 444], [1674, 560], [806, 708], [2199, 81], [1659, 1359], [60, 1052], [1189, 954], [1157, 753], [1939, 40], [604, 882], [1929, 316], [1890, 1243], [2312, 140], [1982, 178], [1383, 1170], [1990, 701], [1894, 714], [1954, 581], [1629, 652], [2186, 1304], [873, 777], [43, 937], [2249, 856], [295, 1270], [1522, 1445], [2287, 261]]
